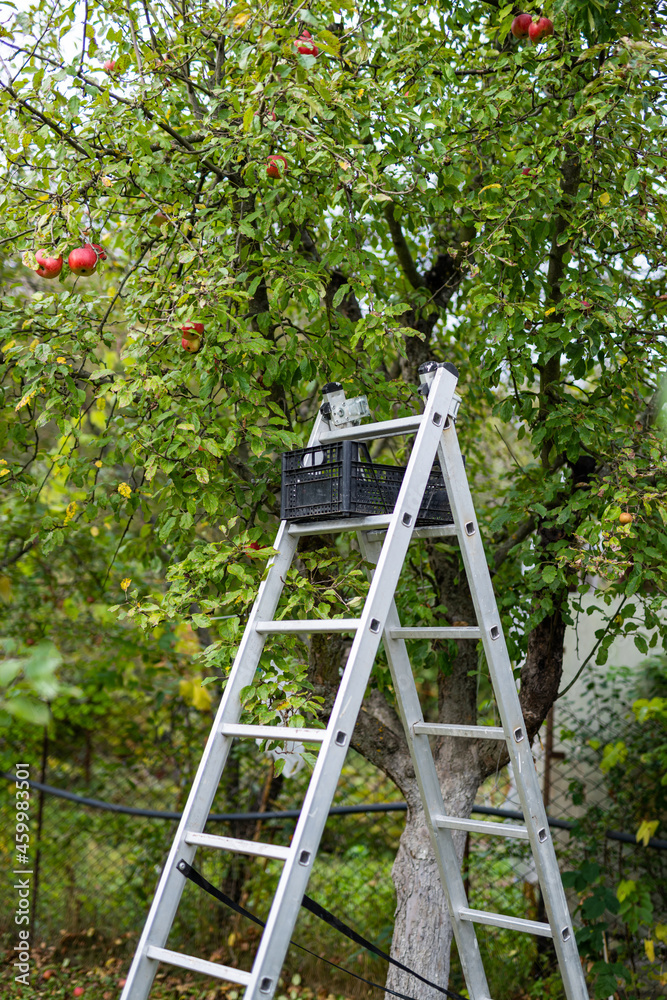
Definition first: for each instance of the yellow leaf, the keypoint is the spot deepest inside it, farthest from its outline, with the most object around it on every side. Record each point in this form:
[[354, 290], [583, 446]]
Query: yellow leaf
[[661, 932], [6, 591], [248, 116], [94, 531], [125, 584], [646, 831], [231, 939], [241, 19], [201, 699], [486, 188], [649, 948], [194, 694], [625, 888], [107, 182], [98, 464], [605, 198], [25, 399], [549, 311], [185, 690], [71, 511]]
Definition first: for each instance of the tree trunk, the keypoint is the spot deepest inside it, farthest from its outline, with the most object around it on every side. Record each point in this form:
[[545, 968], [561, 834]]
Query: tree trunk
[[422, 928]]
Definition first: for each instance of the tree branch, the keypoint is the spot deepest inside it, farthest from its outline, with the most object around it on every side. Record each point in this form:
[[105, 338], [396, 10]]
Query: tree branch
[[503, 550], [47, 121], [401, 247]]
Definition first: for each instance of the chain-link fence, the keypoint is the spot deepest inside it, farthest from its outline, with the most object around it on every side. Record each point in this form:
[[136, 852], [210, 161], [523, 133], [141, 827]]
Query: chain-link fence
[[97, 870]]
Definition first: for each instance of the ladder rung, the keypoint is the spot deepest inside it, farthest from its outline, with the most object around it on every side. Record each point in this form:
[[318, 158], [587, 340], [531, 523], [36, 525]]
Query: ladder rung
[[199, 965], [291, 733], [342, 524], [503, 920], [373, 432], [309, 625], [243, 846], [374, 524], [428, 531], [447, 729], [445, 632], [481, 826]]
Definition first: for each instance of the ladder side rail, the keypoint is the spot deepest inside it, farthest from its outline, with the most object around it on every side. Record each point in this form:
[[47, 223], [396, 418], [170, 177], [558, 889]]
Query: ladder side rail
[[518, 745], [410, 712], [307, 834], [200, 800]]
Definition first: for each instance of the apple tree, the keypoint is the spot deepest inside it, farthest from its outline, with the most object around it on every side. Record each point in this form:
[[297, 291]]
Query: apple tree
[[338, 191]]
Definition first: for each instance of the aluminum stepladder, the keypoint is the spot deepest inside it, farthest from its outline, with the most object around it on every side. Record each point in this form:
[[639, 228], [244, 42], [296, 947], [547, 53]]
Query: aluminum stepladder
[[384, 539]]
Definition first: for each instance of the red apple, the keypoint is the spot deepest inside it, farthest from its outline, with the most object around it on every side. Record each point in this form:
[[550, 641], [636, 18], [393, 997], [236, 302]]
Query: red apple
[[100, 251], [305, 45], [192, 331], [527, 172], [83, 260], [110, 65], [47, 973], [586, 306], [255, 546], [274, 168], [625, 517], [191, 344], [540, 29], [520, 25], [78, 991], [49, 267], [268, 114]]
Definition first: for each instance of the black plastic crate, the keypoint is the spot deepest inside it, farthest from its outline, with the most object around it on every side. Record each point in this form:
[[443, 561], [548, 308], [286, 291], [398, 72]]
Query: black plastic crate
[[333, 480]]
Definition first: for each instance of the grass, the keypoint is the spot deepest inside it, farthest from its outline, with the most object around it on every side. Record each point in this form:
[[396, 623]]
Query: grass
[[99, 969]]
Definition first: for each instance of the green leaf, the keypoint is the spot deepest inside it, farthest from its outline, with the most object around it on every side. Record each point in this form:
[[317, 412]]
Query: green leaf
[[631, 180], [27, 710]]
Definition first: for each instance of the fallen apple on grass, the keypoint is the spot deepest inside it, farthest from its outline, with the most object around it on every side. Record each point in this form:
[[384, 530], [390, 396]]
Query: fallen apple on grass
[[49, 267]]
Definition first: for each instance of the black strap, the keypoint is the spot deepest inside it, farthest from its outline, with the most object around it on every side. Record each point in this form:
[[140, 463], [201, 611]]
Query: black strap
[[319, 911]]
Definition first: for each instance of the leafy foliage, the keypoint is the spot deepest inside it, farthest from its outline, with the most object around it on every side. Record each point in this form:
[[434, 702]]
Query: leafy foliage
[[624, 902]]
